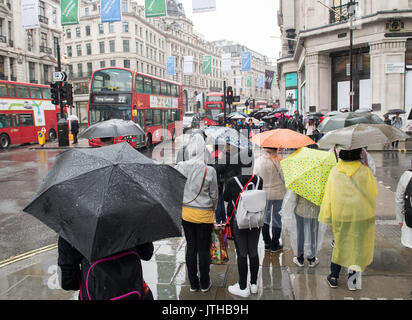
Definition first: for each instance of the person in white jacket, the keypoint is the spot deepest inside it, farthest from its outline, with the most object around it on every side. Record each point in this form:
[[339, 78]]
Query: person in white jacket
[[406, 232]]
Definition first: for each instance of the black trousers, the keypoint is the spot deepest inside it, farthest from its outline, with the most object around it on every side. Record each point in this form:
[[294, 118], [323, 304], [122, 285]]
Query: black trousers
[[198, 238], [246, 243]]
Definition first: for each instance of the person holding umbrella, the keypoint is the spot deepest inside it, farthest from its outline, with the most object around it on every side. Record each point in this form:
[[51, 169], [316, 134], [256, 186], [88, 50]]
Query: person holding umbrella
[[74, 129], [349, 205], [396, 123], [199, 203]]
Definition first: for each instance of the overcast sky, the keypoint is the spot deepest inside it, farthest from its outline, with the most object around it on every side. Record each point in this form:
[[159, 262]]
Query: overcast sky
[[252, 23]]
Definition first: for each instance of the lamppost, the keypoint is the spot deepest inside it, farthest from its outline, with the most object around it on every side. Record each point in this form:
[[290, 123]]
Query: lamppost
[[351, 15]]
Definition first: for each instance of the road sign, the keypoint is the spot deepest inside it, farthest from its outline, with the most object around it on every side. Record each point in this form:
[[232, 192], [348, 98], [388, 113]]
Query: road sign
[[59, 76], [43, 130]]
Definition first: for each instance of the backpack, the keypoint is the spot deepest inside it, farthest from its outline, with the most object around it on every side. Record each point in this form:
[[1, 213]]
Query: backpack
[[408, 204], [114, 278], [251, 206]]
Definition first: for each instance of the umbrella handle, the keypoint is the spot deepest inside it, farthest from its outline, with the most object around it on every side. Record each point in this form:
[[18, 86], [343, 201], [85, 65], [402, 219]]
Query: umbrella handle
[[334, 151]]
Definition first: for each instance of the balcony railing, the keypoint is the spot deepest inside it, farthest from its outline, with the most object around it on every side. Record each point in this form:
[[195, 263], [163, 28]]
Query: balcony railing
[[3, 39], [46, 49], [341, 13], [43, 19]]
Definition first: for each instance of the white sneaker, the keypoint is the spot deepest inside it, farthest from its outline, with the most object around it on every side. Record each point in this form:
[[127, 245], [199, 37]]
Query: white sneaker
[[296, 261], [235, 289], [253, 288], [314, 263]]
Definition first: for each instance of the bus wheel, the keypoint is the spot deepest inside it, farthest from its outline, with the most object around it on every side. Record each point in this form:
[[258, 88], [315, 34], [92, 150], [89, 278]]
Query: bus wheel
[[52, 135], [4, 141], [149, 142]]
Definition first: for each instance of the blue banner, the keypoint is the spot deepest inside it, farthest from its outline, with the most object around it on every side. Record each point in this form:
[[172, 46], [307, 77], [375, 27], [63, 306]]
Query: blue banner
[[170, 66], [261, 79], [246, 61], [110, 11]]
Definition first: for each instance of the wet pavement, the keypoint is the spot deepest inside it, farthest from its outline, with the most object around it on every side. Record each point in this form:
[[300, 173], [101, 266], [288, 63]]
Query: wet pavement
[[28, 252]]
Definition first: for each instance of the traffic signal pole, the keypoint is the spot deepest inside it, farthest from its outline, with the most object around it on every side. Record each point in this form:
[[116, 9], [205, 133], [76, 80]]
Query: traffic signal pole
[[62, 124], [224, 101]]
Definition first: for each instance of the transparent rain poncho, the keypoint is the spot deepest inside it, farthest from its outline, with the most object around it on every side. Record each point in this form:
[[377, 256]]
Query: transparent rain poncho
[[349, 206], [300, 224]]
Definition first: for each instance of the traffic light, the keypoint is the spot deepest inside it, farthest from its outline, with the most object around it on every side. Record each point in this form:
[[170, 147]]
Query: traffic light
[[67, 93], [229, 95], [54, 93]]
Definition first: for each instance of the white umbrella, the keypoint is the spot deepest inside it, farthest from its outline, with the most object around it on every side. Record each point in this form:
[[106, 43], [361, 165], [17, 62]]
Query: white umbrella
[[333, 113], [72, 117], [360, 136]]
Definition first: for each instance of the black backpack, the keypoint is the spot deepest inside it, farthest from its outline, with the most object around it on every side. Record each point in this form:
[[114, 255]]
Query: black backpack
[[408, 205], [118, 277]]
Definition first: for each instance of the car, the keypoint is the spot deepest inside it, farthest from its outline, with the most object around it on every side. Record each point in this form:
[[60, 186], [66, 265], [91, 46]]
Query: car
[[190, 121]]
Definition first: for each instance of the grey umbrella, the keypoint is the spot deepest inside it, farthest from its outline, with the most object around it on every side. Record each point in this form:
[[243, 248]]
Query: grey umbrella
[[222, 135], [347, 119], [109, 199], [112, 128]]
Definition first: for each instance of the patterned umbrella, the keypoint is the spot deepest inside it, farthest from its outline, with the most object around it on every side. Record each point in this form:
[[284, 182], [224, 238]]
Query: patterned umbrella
[[306, 173]]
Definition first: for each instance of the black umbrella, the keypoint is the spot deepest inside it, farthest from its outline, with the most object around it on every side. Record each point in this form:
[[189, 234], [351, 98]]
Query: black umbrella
[[395, 111], [280, 110], [112, 128], [109, 199]]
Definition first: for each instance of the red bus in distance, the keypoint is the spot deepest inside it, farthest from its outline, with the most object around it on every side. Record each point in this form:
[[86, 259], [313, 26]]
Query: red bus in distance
[[155, 104], [214, 105]]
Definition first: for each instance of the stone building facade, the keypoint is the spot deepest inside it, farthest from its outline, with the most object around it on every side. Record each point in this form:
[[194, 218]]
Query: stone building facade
[[314, 67]]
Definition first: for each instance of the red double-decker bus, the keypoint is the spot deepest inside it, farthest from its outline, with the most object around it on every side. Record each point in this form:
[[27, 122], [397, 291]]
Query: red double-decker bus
[[155, 104], [214, 105], [26, 109]]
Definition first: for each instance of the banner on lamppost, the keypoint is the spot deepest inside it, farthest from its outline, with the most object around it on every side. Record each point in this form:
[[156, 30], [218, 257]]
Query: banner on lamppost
[[238, 82], [207, 64], [249, 81], [246, 61], [226, 62], [110, 11], [269, 74], [261, 79], [69, 12], [30, 12], [155, 8], [170, 66], [188, 65], [203, 5]]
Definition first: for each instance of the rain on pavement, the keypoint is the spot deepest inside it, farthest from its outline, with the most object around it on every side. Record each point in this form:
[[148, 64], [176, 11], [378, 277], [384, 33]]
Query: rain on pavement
[[23, 168]]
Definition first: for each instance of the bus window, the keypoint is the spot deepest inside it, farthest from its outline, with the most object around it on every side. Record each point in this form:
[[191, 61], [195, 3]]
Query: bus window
[[12, 90], [3, 90], [5, 120], [35, 92], [149, 118], [163, 88], [157, 119], [26, 120], [174, 90], [147, 85], [139, 84], [15, 120], [169, 89], [156, 86], [46, 93], [23, 92]]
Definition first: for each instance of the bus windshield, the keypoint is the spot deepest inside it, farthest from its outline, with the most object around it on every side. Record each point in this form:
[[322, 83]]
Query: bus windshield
[[112, 80], [99, 113], [214, 99], [212, 114]]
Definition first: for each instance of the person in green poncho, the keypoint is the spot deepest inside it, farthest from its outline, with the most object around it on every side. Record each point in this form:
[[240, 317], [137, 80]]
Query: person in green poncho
[[349, 207]]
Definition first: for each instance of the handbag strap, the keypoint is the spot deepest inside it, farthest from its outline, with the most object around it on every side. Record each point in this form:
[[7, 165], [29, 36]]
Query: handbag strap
[[238, 197], [201, 187]]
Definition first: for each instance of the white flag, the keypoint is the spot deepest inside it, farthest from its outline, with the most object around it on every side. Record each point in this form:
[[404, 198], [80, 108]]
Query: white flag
[[226, 62], [30, 14], [238, 82], [188, 65], [203, 5]]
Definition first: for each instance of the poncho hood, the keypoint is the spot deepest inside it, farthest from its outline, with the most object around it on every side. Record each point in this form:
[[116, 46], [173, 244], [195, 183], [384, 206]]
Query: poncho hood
[[348, 167]]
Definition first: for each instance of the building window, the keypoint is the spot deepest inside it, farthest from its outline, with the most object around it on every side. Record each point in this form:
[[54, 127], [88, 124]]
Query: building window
[[68, 33], [111, 27], [101, 29], [102, 64], [126, 63], [86, 12], [29, 40], [125, 27], [124, 6], [89, 69], [79, 70], [125, 45], [70, 70], [88, 48], [78, 32], [32, 71], [69, 51], [79, 50], [42, 11], [112, 63], [45, 74], [87, 30], [43, 40], [101, 46], [111, 45]]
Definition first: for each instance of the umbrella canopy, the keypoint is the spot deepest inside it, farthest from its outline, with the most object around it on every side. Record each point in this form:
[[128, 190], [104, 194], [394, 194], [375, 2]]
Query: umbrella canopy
[[333, 113], [316, 114], [72, 117], [223, 135], [360, 136], [306, 173], [237, 117], [254, 121], [363, 110], [269, 117], [348, 119], [282, 138], [278, 115], [281, 110], [109, 199], [395, 111], [112, 128]]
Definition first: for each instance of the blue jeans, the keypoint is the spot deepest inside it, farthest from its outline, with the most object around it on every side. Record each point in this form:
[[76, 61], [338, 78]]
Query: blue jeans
[[272, 215], [220, 212], [312, 237]]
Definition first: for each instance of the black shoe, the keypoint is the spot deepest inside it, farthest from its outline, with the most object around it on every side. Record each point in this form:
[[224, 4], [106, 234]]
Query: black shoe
[[267, 247], [277, 248], [333, 282]]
